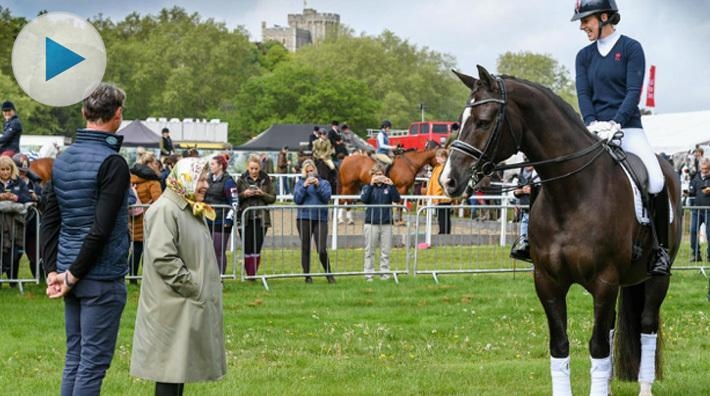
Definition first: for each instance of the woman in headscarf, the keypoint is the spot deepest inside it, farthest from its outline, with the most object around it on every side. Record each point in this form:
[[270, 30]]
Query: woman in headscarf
[[179, 334]]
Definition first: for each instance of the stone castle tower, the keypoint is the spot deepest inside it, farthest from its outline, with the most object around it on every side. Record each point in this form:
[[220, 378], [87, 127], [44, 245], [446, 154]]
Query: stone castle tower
[[311, 27]]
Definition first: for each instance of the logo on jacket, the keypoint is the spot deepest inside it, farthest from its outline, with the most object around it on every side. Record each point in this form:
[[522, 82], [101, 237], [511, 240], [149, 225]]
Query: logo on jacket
[[617, 56]]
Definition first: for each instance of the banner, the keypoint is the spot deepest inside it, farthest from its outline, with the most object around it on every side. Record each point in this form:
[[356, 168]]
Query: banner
[[650, 89]]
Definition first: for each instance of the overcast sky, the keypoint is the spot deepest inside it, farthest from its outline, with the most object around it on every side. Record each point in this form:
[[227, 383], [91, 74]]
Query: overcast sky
[[675, 34]]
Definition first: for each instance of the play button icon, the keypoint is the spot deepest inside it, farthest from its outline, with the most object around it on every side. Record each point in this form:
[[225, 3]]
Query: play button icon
[[58, 59]]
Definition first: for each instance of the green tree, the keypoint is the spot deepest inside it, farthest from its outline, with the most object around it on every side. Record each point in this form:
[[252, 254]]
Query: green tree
[[399, 75], [296, 93], [542, 69]]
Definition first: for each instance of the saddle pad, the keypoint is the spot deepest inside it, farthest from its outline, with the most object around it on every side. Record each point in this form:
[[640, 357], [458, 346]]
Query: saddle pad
[[640, 211]]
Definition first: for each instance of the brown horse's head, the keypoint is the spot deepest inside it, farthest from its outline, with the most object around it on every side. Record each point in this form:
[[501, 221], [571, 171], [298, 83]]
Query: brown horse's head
[[485, 139]]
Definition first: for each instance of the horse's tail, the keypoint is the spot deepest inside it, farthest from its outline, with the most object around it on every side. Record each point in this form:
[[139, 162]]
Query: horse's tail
[[627, 336]]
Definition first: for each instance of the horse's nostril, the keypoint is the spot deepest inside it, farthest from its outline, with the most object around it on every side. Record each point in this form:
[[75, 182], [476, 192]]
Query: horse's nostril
[[450, 182]]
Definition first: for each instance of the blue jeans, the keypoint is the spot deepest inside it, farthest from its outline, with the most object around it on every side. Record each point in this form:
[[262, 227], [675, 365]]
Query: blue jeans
[[524, 220], [92, 314], [697, 217]]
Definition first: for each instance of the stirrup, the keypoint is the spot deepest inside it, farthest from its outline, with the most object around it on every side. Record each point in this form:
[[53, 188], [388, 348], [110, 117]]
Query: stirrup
[[661, 265], [521, 250]]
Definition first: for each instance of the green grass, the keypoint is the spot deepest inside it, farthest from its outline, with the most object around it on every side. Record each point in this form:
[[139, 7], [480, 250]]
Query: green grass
[[469, 335]]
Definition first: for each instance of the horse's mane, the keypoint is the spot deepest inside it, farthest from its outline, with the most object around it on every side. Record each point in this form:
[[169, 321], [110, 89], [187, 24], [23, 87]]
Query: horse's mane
[[567, 110]]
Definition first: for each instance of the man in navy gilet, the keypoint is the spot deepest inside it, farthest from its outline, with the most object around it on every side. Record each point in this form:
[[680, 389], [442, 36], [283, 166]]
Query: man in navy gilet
[[85, 229]]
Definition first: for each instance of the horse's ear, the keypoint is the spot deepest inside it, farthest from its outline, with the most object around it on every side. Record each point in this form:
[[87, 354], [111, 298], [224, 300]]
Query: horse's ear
[[468, 81], [485, 77]]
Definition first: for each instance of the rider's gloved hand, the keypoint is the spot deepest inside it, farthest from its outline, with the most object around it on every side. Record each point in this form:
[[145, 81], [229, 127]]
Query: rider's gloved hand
[[605, 130]]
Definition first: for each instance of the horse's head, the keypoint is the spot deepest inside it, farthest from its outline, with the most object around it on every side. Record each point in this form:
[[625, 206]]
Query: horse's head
[[485, 139]]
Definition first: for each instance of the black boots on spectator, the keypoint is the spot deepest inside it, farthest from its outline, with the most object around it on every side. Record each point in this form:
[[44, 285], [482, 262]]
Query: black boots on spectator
[[521, 249], [660, 264]]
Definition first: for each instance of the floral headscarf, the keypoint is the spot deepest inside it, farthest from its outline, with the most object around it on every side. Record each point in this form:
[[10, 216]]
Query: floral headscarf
[[183, 181]]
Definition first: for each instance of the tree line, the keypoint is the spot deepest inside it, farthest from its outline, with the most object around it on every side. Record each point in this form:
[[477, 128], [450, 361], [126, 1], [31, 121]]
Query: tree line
[[179, 64]]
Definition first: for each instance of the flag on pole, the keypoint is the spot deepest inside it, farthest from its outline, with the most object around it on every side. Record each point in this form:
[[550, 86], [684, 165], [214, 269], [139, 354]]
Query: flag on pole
[[650, 89]]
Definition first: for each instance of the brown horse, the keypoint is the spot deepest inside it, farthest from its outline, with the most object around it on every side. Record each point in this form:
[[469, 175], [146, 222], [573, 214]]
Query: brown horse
[[583, 228], [42, 167], [355, 170]]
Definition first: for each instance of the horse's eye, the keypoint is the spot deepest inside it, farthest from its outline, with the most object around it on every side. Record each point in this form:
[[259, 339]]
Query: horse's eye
[[482, 124]]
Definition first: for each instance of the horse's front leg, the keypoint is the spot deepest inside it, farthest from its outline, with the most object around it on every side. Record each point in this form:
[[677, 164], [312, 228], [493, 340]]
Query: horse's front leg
[[553, 296], [605, 295], [655, 291]]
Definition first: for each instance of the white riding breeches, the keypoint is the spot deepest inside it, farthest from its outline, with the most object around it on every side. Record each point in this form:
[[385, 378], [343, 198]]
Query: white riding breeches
[[635, 141]]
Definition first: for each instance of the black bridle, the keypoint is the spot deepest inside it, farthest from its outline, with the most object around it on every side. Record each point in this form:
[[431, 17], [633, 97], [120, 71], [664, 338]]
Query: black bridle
[[486, 166]]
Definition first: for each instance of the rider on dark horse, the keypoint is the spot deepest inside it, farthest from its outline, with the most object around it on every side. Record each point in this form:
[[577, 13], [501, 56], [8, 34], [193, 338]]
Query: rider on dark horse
[[610, 74]]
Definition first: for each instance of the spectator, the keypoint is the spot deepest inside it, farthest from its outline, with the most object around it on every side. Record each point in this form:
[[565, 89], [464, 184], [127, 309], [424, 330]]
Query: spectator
[[267, 164], [283, 166], [10, 139], [12, 218], [520, 249], [35, 192], [166, 143], [443, 213], [323, 150], [221, 192], [255, 189], [378, 220], [336, 141], [168, 164], [145, 178], [698, 154], [699, 189], [86, 243], [312, 222], [312, 137], [354, 143], [179, 330]]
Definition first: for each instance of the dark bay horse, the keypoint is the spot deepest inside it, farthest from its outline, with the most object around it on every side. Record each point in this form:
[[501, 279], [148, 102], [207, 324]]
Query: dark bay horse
[[582, 224]]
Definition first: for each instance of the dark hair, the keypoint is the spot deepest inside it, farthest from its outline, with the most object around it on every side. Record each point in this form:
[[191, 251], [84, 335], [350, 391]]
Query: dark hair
[[614, 18], [316, 128], [344, 126], [101, 104], [165, 130], [334, 122]]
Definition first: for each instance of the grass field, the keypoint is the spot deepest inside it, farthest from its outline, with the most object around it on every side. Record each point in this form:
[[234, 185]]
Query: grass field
[[469, 335]]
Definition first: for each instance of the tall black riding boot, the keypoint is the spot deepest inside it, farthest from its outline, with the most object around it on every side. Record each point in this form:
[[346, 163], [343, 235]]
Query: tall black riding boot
[[660, 264]]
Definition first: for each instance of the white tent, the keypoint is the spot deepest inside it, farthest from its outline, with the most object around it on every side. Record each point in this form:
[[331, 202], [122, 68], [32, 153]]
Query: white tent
[[675, 132]]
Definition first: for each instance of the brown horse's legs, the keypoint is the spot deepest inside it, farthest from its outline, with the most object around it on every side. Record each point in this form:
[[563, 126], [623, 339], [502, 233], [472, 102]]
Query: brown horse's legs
[[552, 294], [654, 294], [600, 345], [553, 299], [604, 302]]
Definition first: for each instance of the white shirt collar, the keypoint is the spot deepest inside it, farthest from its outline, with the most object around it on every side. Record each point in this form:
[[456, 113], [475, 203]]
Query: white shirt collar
[[604, 45]]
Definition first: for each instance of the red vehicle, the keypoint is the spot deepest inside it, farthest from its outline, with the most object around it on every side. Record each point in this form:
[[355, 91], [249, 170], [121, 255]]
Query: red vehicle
[[416, 137]]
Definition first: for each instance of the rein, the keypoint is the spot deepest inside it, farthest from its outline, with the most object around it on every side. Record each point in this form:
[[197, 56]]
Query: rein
[[484, 166]]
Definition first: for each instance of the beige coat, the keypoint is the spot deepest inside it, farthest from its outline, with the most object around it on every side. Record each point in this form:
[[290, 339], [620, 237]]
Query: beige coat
[[179, 334]]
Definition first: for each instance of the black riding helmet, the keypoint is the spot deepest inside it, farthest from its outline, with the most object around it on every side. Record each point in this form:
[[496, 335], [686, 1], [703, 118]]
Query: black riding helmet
[[585, 8], [386, 124]]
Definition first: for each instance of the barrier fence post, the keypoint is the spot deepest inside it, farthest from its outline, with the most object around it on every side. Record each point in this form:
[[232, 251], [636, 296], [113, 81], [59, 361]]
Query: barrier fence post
[[334, 236], [503, 220], [429, 203]]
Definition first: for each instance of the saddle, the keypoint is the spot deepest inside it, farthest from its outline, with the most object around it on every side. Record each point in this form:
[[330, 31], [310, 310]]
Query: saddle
[[635, 170]]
